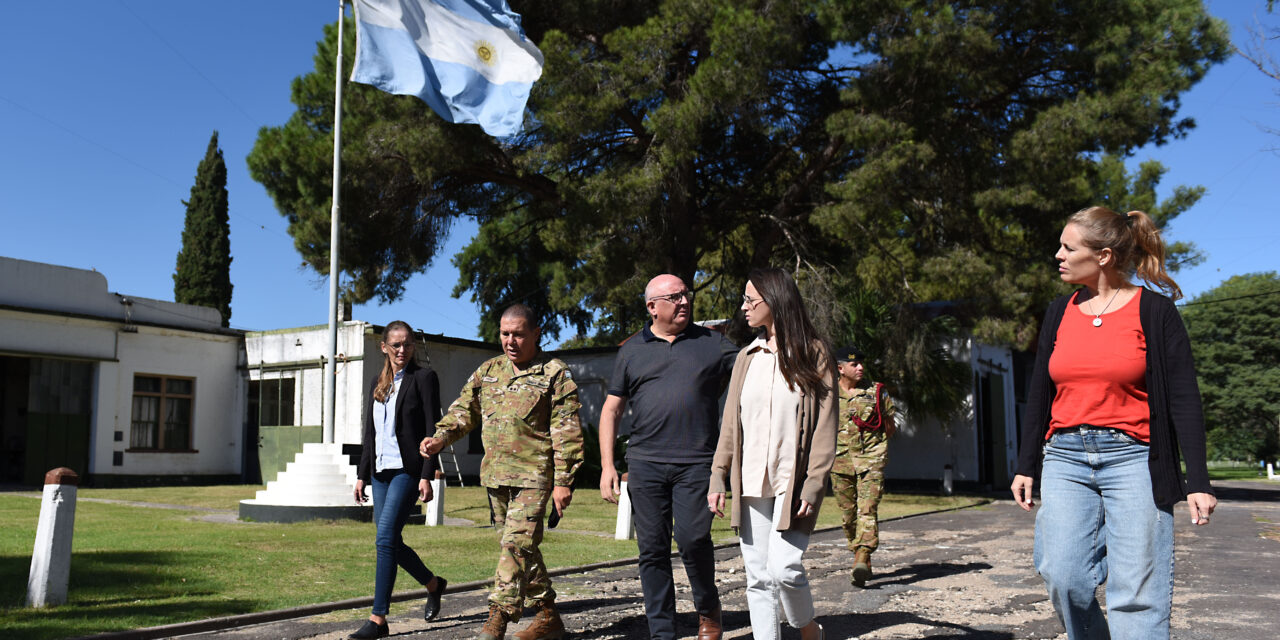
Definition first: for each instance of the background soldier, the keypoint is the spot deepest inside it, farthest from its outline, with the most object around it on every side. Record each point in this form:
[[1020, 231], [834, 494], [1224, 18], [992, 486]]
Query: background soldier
[[527, 407], [862, 448]]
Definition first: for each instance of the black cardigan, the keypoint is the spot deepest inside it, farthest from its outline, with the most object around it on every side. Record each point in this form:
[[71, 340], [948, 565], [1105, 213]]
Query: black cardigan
[[1177, 420], [417, 408]]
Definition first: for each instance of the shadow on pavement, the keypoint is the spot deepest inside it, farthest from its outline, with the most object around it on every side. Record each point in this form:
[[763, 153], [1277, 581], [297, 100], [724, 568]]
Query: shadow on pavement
[[855, 624], [1237, 493], [917, 572]]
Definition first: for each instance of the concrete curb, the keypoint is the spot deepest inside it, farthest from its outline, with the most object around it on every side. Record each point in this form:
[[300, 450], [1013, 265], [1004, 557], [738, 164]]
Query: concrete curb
[[261, 617]]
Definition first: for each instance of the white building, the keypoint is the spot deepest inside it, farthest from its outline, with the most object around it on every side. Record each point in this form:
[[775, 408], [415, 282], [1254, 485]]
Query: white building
[[980, 447], [121, 389], [286, 397]]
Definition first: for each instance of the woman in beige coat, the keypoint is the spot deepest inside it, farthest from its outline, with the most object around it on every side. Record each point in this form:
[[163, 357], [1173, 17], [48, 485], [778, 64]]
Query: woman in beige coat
[[777, 443]]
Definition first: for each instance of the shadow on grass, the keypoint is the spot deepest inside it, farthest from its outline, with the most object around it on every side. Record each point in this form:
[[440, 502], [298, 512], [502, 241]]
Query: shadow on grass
[[112, 591]]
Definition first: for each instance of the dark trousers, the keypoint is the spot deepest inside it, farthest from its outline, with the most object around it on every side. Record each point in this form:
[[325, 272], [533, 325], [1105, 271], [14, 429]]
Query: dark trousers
[[660, 493], [394, 494]]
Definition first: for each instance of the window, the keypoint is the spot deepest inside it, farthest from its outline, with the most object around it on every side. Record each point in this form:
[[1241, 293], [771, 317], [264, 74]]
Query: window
[[271, 402], [162, 408]]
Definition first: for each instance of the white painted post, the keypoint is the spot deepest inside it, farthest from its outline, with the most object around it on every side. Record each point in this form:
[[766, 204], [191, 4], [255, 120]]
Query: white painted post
[[435, 508], [946, 480], [626, 528], [51, 558]]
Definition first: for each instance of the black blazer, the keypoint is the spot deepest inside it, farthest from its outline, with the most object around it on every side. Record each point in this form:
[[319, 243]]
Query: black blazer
[[1177, 420], [417, 409]]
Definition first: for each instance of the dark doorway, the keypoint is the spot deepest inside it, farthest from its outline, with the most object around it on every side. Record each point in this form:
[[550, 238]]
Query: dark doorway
[[993, 462], [45, 416], [13, 417]]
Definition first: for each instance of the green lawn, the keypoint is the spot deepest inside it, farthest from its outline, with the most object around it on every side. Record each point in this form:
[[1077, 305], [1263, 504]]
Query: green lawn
[[136, 567], [1236, 473]]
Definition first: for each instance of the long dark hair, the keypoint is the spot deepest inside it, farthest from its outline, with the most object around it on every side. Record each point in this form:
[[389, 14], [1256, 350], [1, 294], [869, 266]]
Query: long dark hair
[[388, 375], [1133, 238], [803, 355]]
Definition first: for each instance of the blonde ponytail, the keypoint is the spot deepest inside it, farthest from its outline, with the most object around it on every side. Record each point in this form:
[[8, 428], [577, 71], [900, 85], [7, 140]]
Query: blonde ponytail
[[1134, 241]]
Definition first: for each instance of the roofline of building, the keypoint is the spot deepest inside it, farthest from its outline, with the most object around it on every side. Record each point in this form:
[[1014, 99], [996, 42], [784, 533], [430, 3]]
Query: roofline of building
[[224, 331]]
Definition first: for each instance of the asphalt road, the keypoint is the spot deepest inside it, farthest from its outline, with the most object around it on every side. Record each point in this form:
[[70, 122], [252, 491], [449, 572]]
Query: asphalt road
[[960, 574]]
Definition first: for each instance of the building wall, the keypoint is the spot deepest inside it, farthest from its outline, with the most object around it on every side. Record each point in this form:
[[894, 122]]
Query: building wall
[[51, 314], [217, 421], [980, 454]]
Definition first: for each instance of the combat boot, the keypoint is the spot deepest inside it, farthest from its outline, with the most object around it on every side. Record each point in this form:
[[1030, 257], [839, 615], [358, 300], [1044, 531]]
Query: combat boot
[[861, 567], [495, 628], [547, 625]]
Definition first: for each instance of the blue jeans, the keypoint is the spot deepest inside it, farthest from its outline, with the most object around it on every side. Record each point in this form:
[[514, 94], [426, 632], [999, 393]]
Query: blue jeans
[[1099, 524], [662, 494], [394, 494]]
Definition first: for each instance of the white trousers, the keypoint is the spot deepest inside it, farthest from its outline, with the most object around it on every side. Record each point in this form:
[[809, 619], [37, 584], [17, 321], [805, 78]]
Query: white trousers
[[775, 570]]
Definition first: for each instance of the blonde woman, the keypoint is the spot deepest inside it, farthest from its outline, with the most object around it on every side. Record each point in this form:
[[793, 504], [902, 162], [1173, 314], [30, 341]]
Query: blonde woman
[[1112, 403]]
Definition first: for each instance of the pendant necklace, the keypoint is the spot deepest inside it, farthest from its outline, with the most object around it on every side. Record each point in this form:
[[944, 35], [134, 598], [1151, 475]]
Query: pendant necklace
[[1097, 317]]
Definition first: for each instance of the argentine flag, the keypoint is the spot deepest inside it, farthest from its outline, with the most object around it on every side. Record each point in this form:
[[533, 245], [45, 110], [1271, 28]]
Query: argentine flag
[[468, 59]]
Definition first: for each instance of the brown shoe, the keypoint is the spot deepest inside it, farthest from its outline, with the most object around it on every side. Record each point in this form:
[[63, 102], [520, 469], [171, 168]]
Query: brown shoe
[[861, 567], [709, 627], [495, 628], [546, 625]]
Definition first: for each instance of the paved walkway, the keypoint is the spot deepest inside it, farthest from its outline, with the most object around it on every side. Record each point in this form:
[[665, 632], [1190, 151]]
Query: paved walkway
[[962, 574]]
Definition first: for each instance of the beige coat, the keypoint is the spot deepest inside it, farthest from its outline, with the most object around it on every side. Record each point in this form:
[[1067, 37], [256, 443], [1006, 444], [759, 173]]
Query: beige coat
[[816, 420]]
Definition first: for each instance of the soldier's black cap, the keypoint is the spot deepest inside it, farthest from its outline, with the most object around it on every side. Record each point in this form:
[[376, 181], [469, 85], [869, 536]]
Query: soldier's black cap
[[848, 354]]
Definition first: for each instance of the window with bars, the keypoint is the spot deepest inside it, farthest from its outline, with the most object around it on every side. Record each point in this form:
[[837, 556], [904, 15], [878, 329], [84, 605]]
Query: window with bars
[[162, 407]]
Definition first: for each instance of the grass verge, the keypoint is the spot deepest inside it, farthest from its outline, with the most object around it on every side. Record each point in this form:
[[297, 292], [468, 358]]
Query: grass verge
[[135, 566]]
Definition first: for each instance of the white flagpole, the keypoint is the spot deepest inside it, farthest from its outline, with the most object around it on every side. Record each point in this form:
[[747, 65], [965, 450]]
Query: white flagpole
[[330, 363]]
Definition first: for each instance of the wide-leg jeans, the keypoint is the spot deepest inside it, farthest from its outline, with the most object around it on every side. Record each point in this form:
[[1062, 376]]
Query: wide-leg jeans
[[1098, 523]]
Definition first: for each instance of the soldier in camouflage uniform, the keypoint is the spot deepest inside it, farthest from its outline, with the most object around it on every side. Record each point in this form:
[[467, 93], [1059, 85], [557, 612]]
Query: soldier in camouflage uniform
[[862, 448], [526, 405]]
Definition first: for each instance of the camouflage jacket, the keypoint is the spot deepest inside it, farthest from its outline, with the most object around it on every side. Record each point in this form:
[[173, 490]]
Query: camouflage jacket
[[528, 419], [859, 403]]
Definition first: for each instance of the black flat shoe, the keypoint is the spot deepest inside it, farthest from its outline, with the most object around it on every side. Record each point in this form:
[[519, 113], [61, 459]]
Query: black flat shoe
[[371, 630], [431, 609]]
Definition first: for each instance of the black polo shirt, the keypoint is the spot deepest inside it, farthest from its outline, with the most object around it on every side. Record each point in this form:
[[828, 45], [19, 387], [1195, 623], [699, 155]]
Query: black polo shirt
[[674, 390]]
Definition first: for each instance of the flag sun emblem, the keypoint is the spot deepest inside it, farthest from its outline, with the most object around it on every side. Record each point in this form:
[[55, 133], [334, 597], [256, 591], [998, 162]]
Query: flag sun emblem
[[486, 52]]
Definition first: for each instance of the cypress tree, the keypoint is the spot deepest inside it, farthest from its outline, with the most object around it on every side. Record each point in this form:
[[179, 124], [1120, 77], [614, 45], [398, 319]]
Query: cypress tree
[[203, 272]]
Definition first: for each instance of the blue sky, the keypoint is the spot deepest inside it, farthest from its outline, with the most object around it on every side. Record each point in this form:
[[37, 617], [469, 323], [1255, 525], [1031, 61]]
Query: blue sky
[[107, 108]]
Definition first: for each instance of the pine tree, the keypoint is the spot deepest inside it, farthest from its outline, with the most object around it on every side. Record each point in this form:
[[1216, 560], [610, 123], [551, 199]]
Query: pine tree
[[203, 272], [924, 151]]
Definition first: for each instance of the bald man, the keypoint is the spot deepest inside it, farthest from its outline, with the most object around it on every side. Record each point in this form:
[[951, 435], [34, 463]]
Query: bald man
[[672, 373]]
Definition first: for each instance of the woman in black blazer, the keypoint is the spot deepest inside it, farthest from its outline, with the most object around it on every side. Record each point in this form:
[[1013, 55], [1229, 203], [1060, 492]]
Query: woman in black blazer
[[403, 402]]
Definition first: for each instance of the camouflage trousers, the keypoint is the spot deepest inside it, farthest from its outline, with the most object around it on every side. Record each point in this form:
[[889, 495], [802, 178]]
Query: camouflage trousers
[[858, 495], [521, 578]]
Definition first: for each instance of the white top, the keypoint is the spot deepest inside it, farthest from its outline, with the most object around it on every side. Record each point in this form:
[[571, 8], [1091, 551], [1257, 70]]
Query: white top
[[768, 413]]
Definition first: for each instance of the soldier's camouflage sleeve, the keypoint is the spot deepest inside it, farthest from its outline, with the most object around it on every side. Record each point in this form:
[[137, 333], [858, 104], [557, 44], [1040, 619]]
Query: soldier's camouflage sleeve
[[463, 415], [886, 407], [566, 429]]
